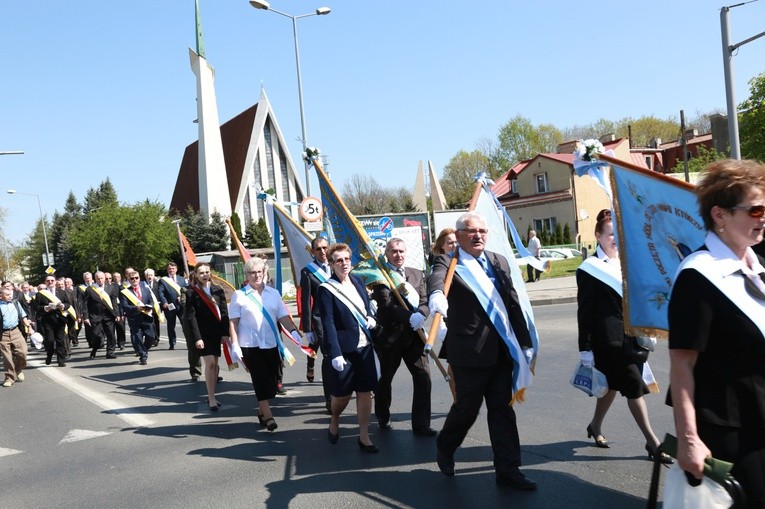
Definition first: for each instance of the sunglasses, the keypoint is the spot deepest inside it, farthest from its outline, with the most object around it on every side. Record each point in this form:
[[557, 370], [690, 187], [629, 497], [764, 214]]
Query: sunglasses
[[755, 211], [134, 278]]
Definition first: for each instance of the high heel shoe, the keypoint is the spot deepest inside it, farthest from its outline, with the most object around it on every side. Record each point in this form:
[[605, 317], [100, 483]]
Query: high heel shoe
[[371, 448], [270, 424], [309, 375], [664, 458], [333, 437], [600, 440], [213, 408]]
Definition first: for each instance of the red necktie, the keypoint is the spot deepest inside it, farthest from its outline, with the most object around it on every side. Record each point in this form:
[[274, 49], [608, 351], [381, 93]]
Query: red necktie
[[138, 292]]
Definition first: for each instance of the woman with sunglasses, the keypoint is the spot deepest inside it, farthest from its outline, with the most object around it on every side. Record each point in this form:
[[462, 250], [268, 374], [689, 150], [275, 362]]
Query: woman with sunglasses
[[253, 313], [346, 315], [717, 331], [205, 316]]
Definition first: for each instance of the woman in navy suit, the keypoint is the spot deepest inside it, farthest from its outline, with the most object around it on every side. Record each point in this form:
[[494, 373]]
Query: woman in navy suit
[[347, 318]]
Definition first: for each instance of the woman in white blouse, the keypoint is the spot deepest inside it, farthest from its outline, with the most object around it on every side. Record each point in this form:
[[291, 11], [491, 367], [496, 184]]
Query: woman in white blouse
[[253, 313]]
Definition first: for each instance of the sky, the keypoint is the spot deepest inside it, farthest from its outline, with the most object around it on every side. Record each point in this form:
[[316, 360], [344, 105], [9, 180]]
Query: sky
[[96, 89]]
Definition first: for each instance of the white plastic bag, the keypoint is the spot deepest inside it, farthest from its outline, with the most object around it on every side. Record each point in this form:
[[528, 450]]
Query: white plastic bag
[[589, 380], [37, 340], [678, 494]]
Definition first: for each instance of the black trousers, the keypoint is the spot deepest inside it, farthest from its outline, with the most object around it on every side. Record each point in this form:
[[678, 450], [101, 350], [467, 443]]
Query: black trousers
[[495, 385], [103, 335], [170, 318], [54, 340], [119, 333], [326, 368], [417, 364], [532, 273]]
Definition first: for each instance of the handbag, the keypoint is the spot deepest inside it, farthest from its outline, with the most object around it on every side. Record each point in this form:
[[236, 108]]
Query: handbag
[[589, 380], [637, 348]]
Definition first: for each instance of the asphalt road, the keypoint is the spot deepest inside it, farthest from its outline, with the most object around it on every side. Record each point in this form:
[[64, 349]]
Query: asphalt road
[[112, 433]]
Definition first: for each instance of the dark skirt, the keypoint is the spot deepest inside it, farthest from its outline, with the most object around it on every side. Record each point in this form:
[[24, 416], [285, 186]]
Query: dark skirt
[[623, 374], [211, 347], [263, 365], [359, 374]]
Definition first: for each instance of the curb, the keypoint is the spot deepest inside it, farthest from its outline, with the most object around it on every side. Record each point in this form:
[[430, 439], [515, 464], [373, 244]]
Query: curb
[[553, 300]]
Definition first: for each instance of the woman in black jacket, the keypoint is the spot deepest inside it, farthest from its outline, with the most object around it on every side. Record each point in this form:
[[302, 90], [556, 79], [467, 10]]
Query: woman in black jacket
[[206, 319]]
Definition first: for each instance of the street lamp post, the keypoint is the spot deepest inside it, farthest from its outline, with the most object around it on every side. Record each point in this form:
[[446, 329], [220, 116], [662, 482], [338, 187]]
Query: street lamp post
[[728, 49], [321, 11], [42, 221]]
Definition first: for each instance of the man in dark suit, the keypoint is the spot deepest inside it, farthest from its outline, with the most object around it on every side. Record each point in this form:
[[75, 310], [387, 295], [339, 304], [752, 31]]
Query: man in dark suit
[[87, 280], [99, 311], [137, 306], [401, 340], [311, 277], [73, 321], [152, 283], [119, 322], [170, 289], [51, 307], [477, 352]]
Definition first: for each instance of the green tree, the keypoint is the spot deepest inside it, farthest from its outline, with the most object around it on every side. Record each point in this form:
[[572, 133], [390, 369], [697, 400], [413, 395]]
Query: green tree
[[544, 236], [704, 156], [567, 234], [519, 139], [458, 181], [115, 237], [31, 253], [103, 196], [204, 236], [59, 234], [558, 235], [752, 120], [237, 224], [257, 235]]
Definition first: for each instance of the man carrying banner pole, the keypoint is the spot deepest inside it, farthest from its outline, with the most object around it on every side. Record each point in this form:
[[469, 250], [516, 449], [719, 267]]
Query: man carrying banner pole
[[489, 347]]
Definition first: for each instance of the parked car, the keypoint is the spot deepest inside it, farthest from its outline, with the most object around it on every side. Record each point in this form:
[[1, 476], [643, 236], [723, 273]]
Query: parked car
[[553, 254]]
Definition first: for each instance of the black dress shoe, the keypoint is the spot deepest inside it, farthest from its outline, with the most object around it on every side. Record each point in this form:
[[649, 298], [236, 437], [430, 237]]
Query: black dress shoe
[[220, 379], [48, 361], [517, 480], [194, 378], [111, 356], [61, 364], [371, 448], [427, 431], [386, 425], [445, 462], [333, 437], [143, 362]]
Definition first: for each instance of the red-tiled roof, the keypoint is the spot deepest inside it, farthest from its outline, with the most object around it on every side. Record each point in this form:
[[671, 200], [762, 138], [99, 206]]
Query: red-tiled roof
[[235, 136]]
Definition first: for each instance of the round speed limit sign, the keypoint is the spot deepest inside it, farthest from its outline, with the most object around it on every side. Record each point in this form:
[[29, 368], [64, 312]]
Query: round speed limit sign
[[310, 209]]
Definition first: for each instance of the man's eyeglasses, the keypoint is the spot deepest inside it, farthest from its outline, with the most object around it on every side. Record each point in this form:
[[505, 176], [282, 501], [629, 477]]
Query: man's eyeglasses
[[473, 231], [755, 211], [133, 278]]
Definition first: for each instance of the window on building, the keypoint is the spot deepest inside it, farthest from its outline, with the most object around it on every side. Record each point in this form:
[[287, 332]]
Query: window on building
[[649, 162], [542, 184], [514, 186], [270, 172], [548, 224]]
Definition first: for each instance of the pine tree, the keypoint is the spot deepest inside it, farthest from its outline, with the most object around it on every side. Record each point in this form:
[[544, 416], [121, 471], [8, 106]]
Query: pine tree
[[567, 234], [257, 234]]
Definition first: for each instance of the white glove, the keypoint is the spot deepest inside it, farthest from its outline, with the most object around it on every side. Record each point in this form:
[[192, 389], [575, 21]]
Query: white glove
[[371, 323], [416, 321], [339, 363], [587, 359], [296, 336], [438, 303], [308, 337], [441, 333], [529, 353]]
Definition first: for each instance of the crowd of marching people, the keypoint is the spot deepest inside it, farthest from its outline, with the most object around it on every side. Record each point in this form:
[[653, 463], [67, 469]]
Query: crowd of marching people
[[363, 334]]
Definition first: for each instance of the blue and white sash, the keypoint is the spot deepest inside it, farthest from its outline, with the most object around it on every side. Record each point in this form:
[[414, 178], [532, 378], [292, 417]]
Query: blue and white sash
[[317, 271], [470, 271], [361, 317], [285, 354]]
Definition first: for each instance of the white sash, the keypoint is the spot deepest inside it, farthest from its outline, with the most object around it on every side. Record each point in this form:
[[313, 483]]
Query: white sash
[[471, 272], [608, 273], [731, 285]]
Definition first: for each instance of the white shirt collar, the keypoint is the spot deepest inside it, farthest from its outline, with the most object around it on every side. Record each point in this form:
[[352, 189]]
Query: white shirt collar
[[727, 261]]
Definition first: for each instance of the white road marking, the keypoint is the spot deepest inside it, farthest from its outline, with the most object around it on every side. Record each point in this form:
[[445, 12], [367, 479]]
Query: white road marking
[[8, 452], [100, 400], [77, 435]]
